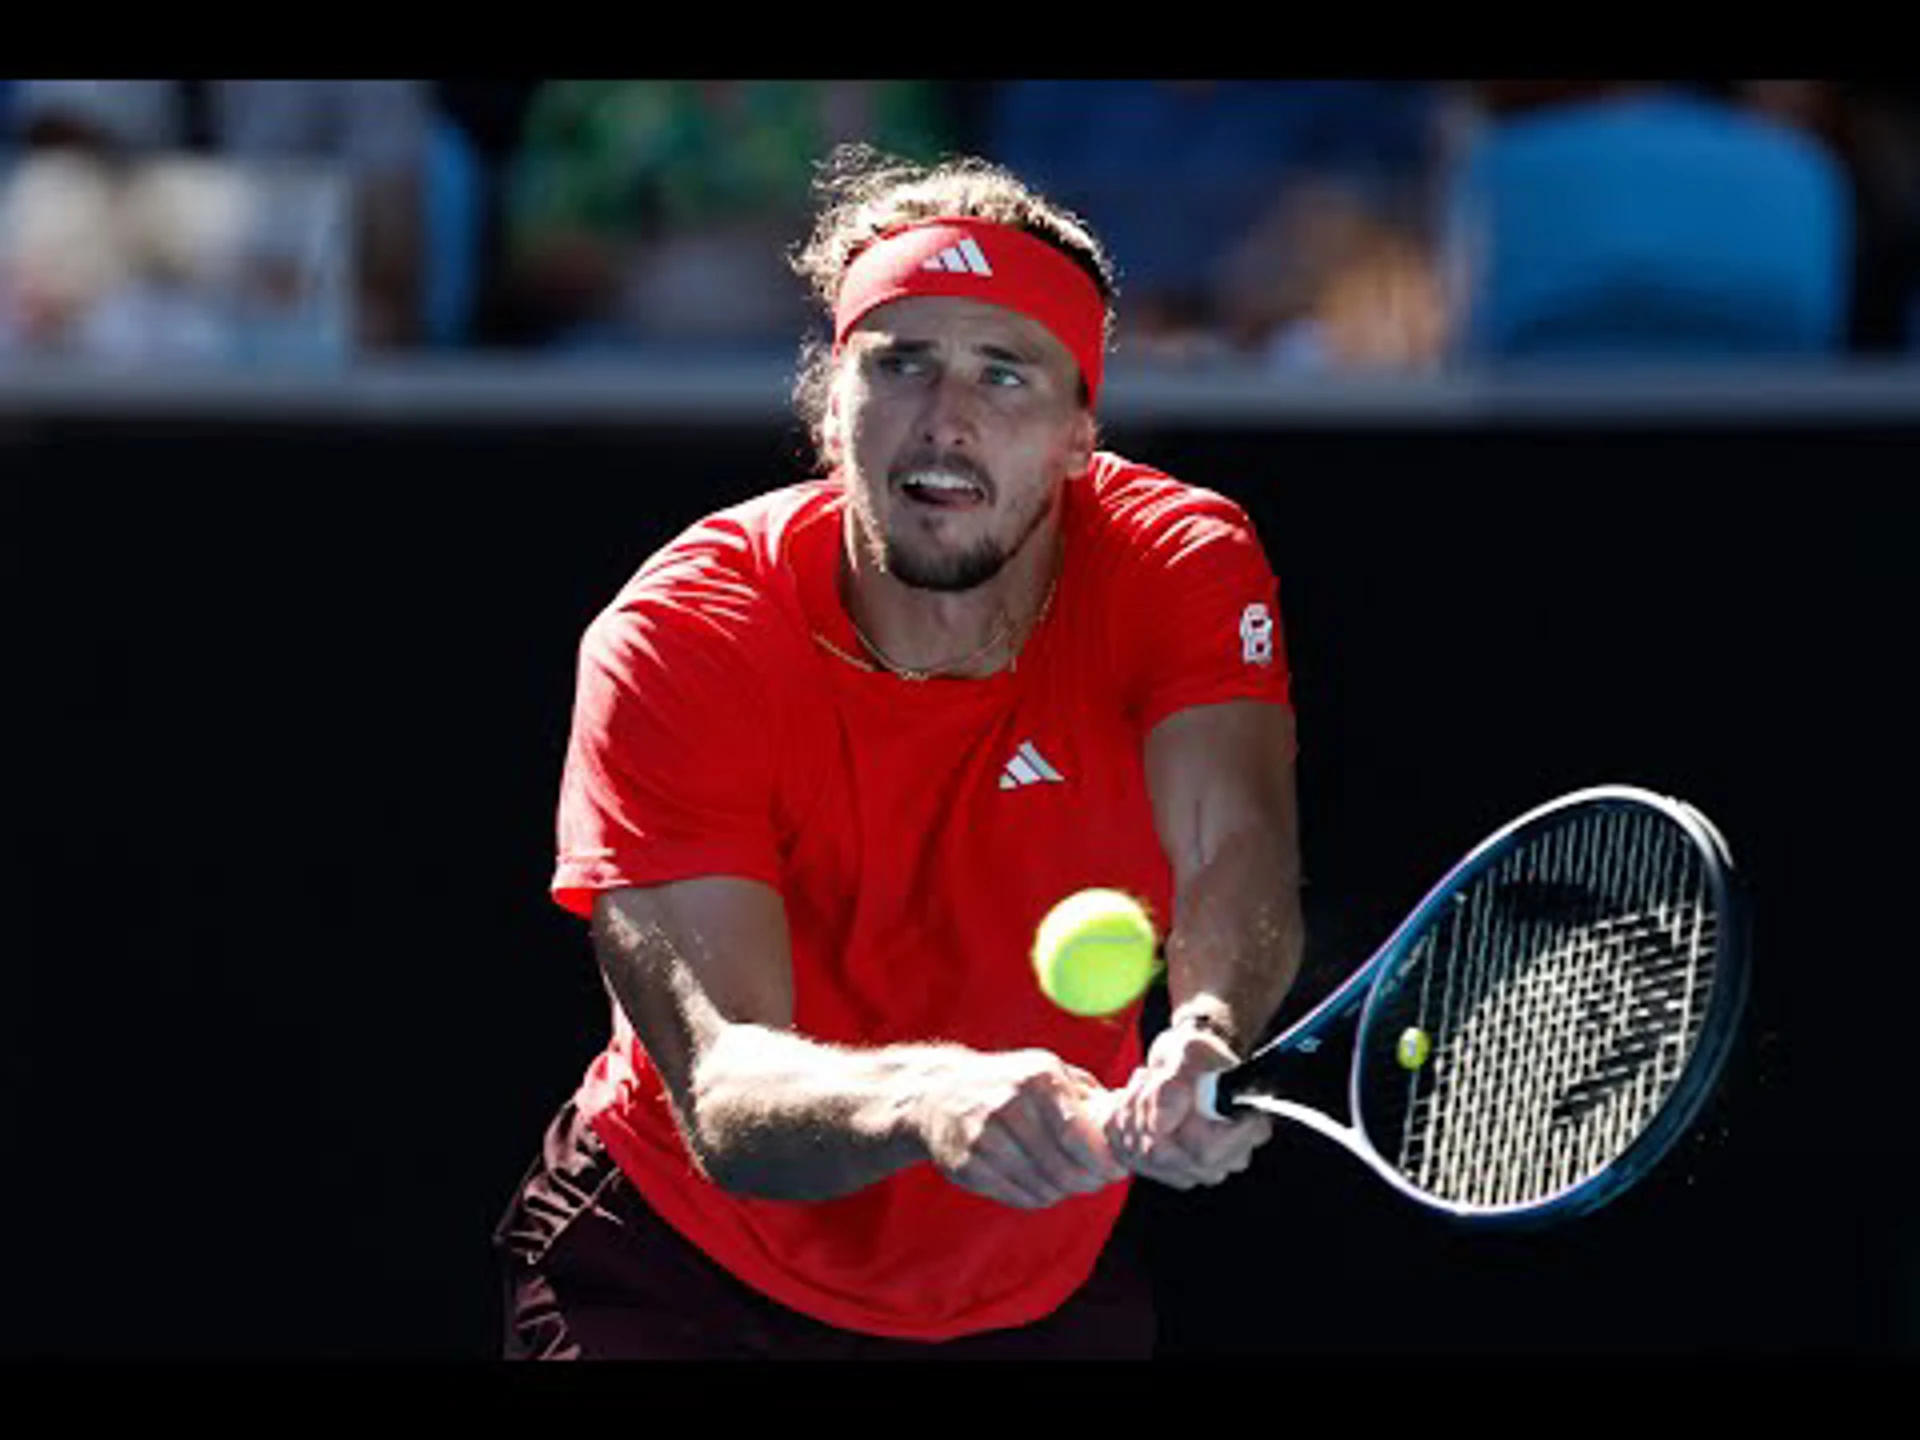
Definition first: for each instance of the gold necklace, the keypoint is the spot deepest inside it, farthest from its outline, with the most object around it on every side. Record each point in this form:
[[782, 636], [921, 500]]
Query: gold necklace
[[908, 672]]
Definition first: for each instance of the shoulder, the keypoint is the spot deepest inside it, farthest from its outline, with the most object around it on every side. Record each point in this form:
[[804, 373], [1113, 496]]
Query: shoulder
[[730, 581], [1175, 581], [1131, 509], [743, 554]]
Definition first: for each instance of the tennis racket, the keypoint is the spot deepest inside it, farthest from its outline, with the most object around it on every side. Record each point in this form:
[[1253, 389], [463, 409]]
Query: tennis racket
[[1542, 1027]]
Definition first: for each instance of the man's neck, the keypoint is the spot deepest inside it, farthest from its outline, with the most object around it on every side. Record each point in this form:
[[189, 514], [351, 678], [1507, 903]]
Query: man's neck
[[969, 633]]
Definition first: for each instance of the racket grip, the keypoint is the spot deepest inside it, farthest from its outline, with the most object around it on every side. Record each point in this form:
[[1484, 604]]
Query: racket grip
[[1206, 1092], [1216, 1091]]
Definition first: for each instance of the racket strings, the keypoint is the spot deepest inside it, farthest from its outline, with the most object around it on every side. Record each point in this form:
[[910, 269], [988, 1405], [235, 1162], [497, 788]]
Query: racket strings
[[1562, 997]]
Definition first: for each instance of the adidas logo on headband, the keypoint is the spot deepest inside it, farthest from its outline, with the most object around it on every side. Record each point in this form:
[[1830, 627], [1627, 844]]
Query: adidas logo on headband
[[966, 257]]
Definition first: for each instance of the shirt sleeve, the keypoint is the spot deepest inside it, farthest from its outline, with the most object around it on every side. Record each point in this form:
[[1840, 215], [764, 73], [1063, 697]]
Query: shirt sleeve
[[669, 771], [1199, 612]]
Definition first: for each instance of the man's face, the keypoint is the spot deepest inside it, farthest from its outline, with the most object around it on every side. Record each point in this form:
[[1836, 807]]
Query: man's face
[[954, 423]]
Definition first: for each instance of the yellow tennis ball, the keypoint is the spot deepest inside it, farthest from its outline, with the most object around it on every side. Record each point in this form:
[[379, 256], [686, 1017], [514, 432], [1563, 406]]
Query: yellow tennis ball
[[1094, 952], [1414, 1047]]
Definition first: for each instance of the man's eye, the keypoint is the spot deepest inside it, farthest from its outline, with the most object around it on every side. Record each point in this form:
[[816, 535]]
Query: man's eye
[[1004, 376], [893, 363]]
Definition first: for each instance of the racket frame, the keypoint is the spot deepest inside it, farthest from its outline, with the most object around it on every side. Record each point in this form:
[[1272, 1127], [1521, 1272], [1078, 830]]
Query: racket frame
[[1682, 1106]]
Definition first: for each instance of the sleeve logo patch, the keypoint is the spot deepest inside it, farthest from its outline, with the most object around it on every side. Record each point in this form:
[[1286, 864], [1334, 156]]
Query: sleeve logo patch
[[1256, 635]]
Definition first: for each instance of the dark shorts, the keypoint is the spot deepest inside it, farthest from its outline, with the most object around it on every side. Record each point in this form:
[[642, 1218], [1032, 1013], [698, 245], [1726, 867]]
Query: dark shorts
[[591, 1272]]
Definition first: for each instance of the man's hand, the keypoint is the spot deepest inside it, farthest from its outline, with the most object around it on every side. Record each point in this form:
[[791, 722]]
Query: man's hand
[[1157, 1130], [1023, 1128]]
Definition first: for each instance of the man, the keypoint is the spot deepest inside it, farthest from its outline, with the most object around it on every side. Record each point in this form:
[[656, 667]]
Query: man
[[835, 752]]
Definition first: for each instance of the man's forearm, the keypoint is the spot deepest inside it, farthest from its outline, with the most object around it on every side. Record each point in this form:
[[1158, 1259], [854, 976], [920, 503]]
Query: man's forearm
[[777, 1116], [765, 1111], [1236, 949]]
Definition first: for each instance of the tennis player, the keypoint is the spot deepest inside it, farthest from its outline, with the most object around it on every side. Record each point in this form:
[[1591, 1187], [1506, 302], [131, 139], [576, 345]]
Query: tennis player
[[835, 751]]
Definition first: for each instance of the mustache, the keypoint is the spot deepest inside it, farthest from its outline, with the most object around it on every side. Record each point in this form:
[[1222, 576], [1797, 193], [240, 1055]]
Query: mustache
[[953, 462]]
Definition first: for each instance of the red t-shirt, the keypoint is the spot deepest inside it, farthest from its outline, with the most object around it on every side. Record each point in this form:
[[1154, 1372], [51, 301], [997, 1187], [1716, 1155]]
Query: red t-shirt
[[918, 832]]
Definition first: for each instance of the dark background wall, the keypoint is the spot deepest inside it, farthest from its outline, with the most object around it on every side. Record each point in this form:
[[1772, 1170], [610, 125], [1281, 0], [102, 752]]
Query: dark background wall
[[283, 1005]]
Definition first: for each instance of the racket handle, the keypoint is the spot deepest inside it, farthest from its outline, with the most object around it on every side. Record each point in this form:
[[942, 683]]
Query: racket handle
[[1218, 1092], [1214, 1092], [1206, 1091]]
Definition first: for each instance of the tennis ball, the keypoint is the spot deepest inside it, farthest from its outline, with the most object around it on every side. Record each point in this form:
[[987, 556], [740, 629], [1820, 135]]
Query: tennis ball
[[1414, 1047], [1094, 952]]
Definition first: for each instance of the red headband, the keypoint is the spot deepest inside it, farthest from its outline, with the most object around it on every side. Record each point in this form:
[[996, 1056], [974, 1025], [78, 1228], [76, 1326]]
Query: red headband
[[980, 260]]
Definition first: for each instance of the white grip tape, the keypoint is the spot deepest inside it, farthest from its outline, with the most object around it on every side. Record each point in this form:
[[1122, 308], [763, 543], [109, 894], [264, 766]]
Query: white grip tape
[[1204, 1091]]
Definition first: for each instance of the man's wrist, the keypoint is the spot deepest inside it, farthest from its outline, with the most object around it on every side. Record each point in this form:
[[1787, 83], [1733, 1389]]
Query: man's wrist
[[1211, 1017]]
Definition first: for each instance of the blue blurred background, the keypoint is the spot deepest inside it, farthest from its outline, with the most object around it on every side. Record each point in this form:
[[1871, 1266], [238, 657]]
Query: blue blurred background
[[1350, 226]]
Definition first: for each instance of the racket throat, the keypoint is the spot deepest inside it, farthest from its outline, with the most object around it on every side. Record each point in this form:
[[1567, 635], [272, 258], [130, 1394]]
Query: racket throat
[[1313, 1066]]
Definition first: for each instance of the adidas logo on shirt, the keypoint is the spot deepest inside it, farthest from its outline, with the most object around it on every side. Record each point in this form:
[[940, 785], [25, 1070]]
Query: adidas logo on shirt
[[1027, 767], [960, 259]]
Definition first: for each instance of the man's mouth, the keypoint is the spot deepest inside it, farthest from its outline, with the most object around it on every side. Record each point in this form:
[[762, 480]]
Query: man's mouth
[[943, 488]]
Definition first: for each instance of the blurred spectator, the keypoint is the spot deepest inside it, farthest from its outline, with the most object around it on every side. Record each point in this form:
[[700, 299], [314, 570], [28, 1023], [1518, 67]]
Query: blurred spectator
[[643, 211], [369, 138], [60, 254], [1873, 130], [164, 259], [1333, 281], [181, 224], [1623, 219], [1210, 192]]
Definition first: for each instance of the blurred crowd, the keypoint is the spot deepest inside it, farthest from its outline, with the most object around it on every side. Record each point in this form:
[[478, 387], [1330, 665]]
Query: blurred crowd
[[1295, 226]]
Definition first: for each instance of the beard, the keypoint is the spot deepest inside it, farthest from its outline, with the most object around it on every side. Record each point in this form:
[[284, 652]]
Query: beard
[[949, 573], [921, 565]]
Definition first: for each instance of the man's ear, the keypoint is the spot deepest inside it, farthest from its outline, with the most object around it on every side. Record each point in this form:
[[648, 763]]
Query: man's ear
[[832, 430], [1081, 445]]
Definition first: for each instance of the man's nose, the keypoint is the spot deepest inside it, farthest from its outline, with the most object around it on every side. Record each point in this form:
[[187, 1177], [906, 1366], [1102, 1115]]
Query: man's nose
[[952, 412]]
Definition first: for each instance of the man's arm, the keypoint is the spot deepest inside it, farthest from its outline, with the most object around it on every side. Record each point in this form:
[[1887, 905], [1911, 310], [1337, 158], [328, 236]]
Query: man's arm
[[1222, 783], [703, 971], [1221, 779]]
